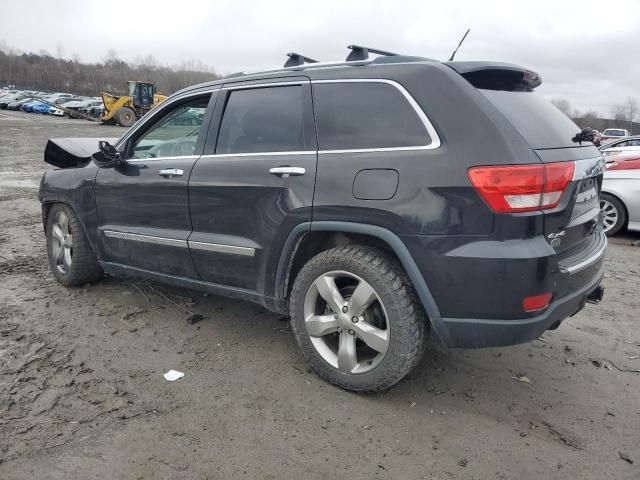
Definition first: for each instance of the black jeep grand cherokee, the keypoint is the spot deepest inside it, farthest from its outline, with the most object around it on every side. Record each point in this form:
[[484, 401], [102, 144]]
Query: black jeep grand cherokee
[[373, 200]]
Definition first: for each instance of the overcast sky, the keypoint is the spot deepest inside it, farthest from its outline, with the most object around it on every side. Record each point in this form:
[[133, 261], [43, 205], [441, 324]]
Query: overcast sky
[[586, 51]]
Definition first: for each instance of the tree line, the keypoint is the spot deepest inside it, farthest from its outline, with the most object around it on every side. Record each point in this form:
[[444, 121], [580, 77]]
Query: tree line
[[623, 115], [46, 72]]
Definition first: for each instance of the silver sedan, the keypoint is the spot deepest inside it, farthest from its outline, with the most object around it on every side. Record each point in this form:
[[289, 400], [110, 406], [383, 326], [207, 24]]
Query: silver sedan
[[620, 200]]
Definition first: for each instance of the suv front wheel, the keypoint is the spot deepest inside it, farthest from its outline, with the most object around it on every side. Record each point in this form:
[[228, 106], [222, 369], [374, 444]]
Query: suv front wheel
[[72, 261], [356, 318]]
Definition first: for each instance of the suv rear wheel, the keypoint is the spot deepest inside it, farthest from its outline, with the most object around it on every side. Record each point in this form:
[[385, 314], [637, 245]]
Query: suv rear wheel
[[356, 318]]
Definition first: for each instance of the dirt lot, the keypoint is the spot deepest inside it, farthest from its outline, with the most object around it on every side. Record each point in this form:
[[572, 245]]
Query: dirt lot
[[82, 393]]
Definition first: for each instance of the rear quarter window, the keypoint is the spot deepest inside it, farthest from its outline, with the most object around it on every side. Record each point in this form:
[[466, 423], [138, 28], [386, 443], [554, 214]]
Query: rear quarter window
[[366, 115], [540, 123]]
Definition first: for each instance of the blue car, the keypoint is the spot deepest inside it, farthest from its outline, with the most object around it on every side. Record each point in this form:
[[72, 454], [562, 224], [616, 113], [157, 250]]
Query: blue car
[[28, 107], [40, 107]]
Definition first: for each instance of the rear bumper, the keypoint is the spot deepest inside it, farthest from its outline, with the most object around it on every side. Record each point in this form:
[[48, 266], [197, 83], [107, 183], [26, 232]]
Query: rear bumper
[[476, 333]]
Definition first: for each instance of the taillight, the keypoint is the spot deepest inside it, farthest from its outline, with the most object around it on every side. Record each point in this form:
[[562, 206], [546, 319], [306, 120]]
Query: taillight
[[521, 188]]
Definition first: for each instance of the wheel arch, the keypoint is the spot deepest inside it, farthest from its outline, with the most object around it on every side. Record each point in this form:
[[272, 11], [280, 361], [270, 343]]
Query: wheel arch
[[46, 205], [324, 235]]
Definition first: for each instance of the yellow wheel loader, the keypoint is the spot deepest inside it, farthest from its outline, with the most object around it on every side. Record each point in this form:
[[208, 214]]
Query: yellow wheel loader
[[125, 109]]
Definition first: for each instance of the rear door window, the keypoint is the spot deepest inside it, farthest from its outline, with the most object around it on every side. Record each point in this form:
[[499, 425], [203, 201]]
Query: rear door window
[[365, 115], [268, 119]]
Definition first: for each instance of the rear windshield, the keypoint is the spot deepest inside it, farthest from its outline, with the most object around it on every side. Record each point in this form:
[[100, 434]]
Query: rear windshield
[[615, 133], [540, 123]]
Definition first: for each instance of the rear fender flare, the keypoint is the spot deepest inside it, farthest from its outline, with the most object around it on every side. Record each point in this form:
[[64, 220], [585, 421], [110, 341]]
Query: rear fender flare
[[391, 239]]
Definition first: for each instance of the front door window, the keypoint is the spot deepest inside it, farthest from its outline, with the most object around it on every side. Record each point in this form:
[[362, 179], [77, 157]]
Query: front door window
[[174, 135]]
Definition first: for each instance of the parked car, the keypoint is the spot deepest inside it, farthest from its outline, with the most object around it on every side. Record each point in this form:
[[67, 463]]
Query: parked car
[[626, 162], [7, 99], [63, 102], [17, 104], [94, 111], [40, 107], [8, 93], [82, 106], [621, 147], [610, 134], [409, 198], [29, 106], [620, 199]]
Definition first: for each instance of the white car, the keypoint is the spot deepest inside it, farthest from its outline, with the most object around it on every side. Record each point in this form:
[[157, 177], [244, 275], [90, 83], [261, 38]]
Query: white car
[[628, 145], [620, 200], [614, 134]]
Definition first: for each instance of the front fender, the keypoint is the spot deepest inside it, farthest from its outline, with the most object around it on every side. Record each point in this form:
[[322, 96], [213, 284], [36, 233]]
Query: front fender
[[73, 187]]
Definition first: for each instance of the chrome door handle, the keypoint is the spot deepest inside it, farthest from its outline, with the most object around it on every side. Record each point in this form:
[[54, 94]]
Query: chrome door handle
[[171, 172], [286, 172]]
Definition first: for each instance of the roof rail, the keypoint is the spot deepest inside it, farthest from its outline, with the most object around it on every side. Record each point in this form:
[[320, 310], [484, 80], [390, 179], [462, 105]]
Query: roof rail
[[296, 59], [362, 53]]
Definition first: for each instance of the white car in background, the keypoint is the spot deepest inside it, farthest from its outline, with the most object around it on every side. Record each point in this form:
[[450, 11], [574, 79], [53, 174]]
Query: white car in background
[[614, 134], [624, 146], [620, 198]]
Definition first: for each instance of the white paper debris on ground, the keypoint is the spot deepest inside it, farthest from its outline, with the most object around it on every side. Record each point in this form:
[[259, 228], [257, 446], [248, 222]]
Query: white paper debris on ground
[[522, 378], [172, 375]]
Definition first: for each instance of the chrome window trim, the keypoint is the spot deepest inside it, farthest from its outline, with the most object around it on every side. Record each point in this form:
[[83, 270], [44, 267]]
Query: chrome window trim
[[136, 237], [154, 112], [435, 139], [245, 86], [153, 159], [259, 154], [219, 248]]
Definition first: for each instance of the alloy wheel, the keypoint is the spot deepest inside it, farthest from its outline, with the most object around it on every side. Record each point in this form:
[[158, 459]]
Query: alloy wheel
[[346, 322], [610, 213], [61, 242]]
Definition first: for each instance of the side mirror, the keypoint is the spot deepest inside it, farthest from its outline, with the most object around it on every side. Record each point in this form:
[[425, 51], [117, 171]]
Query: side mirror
[[107, 156]]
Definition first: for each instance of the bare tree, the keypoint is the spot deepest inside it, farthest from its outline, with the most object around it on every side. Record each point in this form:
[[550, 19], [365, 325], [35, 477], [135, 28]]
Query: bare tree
[[619, 112], [631, 106], [590, 118], [563, 105], [44, 72]]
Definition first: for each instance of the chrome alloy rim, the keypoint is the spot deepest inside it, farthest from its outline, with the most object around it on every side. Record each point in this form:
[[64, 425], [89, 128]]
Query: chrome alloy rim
[[610, 213], [61, 242], [347, 322]]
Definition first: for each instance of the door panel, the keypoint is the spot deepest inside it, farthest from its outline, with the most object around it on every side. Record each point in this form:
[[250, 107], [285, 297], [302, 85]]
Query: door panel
[[241, 209], [137, 201], [143, 205], [235, 201]]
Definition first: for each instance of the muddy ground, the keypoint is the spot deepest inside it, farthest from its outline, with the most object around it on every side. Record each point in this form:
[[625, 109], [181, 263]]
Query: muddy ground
[[82, 393]]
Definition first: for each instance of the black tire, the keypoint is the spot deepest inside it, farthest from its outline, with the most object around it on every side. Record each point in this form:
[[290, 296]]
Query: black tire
[[614, 211], [83, 267], [405, 319], [125, 116]]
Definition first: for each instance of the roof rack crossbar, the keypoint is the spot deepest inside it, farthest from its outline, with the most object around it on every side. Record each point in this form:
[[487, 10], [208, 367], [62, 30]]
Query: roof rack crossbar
[[296, 59], [359, 52]]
